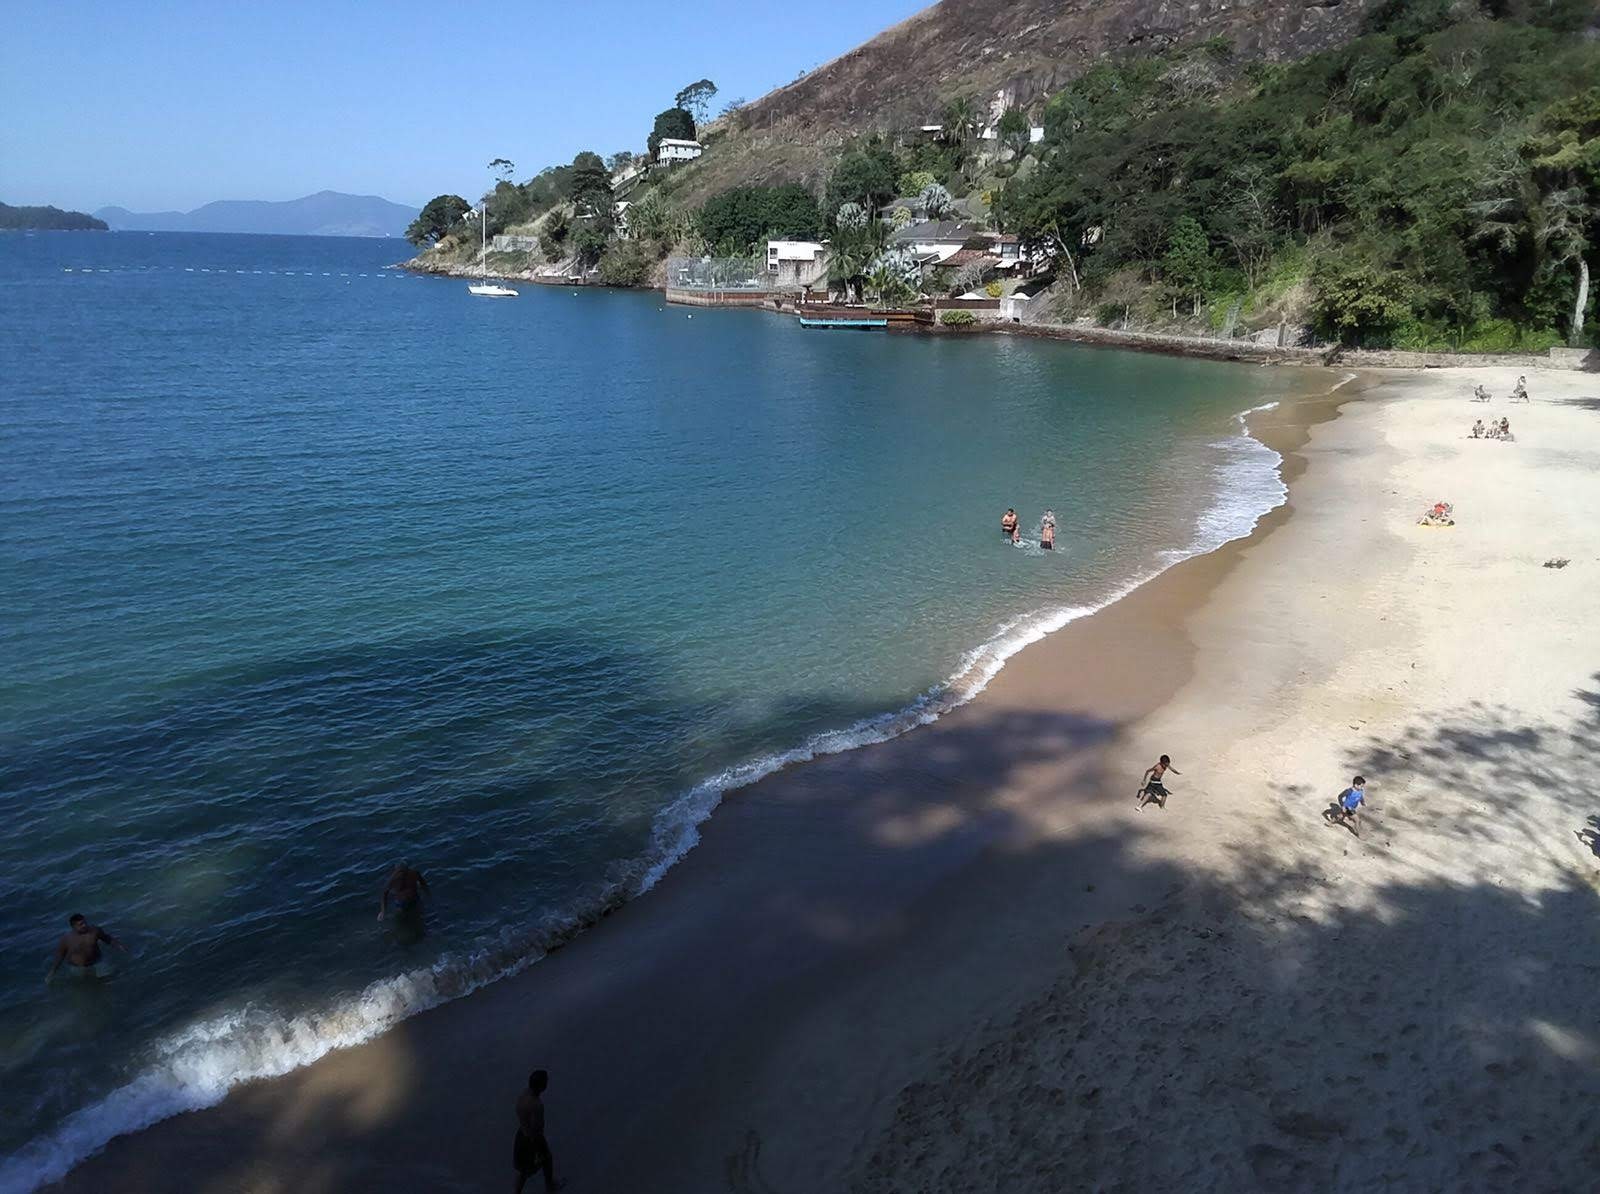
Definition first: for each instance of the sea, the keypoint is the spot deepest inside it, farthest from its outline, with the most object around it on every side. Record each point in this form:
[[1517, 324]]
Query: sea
[[309, 566]]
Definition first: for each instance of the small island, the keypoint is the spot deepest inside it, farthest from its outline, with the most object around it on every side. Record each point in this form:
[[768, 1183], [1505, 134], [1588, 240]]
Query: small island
[[47, 219]]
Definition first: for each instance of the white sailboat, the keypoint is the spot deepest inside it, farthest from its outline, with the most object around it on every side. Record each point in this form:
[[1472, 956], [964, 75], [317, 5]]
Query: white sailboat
[[486, 288]]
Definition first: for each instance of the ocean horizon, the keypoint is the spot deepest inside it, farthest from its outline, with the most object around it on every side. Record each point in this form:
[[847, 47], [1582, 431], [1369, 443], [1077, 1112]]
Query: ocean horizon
[[318, 565]]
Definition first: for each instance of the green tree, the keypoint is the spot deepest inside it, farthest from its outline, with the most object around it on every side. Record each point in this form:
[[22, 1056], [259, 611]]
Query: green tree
[[745, 216], [675, 124], [1188, 264], [588, 244], [589, 184], [436, 218], [627, 263], [1015, 131], [866, 176], [696, 98], [1358, 302], [914, 182], [653, 218], [936, 202]]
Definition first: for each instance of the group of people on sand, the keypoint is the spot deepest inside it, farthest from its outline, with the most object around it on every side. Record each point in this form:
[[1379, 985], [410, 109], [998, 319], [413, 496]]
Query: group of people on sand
[[1011, 528], [1345, 809], [1500, 430], [1519, 392]]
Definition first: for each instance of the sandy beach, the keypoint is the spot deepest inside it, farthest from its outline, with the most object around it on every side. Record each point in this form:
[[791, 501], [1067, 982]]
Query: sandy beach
[[964, 960]]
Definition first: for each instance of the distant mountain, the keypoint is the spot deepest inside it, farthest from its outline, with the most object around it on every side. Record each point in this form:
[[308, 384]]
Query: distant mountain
[[327, 213], [14, 219]]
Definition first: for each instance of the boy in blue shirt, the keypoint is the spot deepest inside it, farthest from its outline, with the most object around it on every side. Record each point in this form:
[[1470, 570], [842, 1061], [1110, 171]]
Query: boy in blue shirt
[[1350, 801]]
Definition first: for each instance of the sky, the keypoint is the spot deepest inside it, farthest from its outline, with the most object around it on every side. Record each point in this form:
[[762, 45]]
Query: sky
[[166, 106]]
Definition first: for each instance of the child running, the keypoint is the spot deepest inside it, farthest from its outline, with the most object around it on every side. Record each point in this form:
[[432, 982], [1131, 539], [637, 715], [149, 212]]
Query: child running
[[1153, 788], [1349, 807]]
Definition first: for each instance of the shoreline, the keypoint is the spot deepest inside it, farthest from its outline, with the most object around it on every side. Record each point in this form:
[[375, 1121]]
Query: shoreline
[[1164, 343], [619, 911]]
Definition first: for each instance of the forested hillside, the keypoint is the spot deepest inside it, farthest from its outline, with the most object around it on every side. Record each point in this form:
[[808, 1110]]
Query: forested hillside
[[1433, 183], [51, 219]]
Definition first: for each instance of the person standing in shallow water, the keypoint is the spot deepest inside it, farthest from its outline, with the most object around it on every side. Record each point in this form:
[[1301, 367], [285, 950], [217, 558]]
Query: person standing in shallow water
[[530, 1152], [1153, 788], [406, 887], [80, 949], [1008, 525]]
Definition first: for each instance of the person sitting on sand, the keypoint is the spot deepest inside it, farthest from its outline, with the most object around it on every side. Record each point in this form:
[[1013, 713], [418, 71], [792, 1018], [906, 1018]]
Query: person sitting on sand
[[1504, 430], [407, 886], [1153, 788], [1480, 393], [1478, 430], [1008, 524], [1519, 392], [1438, 515], [1348, 809], [80, 950]]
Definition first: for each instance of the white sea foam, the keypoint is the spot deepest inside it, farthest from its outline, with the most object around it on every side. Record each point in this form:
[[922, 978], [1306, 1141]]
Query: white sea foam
[[196, 1067]]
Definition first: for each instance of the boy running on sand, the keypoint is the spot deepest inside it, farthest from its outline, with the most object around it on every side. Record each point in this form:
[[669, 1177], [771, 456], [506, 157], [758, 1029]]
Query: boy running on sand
[[1350, 801], [1153, 788]]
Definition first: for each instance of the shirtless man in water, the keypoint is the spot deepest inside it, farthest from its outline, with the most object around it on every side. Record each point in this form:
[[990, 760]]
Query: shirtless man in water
[[407, 887], [80, 949], [1008, 525]]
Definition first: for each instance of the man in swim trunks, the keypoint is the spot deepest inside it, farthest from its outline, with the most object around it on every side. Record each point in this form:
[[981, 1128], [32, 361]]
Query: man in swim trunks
[[80, 949], [1153, 788], [407, 886], [1047, 536], [530, 1151], [1008, 525], [1350, 801]]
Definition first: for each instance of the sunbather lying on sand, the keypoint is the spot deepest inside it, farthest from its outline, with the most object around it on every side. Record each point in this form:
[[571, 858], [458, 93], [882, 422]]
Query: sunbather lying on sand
[[1438, 515]]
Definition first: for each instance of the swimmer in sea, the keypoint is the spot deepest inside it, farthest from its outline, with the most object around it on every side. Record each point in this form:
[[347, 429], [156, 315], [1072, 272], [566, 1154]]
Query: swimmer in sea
[[407, 886], [1008, 525], [80, 949], [1047, 531]]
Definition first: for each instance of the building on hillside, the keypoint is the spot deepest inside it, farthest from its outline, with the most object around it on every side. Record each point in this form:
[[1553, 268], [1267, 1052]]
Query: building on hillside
[[671, 150], [936, 241], [796, 264]]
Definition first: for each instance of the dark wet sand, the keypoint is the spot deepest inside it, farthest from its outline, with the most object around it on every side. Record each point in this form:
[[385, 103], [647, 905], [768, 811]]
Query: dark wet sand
[[870, 905]]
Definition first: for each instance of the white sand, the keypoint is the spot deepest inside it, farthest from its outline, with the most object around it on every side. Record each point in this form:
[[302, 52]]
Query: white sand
[[1419, 1007]]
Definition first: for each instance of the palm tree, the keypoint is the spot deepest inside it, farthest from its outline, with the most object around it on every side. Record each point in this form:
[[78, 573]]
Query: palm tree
[[935, 201]]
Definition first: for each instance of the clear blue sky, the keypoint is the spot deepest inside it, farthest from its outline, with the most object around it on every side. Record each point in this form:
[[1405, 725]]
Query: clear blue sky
[[155, 106]]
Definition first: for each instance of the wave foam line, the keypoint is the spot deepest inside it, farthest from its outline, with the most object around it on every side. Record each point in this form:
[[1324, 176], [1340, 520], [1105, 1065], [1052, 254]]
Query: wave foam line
[[195, 1068]]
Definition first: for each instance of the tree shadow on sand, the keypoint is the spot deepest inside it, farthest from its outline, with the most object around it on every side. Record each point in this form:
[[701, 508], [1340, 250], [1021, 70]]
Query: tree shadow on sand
[[1241, 1030]]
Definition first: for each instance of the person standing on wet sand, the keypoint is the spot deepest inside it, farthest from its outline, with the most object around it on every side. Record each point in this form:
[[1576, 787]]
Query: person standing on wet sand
[[1153, 788], [1008, 525], [530, 1152], [80, 949], [407, 887]]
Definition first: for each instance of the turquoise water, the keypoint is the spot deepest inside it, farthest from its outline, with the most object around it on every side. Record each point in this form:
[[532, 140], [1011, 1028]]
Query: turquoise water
[[310, 566]]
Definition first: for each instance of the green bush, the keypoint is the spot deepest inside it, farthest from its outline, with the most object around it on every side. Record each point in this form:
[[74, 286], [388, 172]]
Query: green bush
[[957, 319], [627, 263]]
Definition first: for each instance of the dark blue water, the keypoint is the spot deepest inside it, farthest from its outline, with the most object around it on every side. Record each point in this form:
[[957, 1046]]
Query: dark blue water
[[309, 566]]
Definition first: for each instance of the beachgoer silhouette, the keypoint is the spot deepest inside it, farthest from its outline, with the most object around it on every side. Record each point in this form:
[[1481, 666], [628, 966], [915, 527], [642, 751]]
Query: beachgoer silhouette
[[407, 887], [1153, 788], [80, 949], [530, 1152]]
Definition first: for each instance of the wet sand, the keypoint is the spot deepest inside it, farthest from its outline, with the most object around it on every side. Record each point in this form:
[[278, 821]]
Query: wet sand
[[963, 960]]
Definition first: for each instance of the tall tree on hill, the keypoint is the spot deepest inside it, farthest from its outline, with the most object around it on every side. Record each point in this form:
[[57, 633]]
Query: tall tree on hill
[[867, 176], [435, 219], [589, 184], [696, 98], [1015, 132], [675, 124], [1565, 150], [503, 168]]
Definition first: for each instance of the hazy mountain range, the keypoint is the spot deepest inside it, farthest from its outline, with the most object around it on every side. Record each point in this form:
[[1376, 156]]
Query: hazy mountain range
[[327, 213]]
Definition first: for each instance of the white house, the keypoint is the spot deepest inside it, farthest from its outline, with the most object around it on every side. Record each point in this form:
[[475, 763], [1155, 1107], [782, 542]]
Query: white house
[[670, 150], [796, 264]]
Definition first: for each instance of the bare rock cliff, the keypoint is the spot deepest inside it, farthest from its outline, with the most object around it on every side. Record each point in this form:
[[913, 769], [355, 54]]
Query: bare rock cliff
[[903, 76]]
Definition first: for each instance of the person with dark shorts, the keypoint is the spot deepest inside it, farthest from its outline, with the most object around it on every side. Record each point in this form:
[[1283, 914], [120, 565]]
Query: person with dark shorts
[[1347, 810], [1047, 532], [530, 1151], [1008, 525], [1153, 788]]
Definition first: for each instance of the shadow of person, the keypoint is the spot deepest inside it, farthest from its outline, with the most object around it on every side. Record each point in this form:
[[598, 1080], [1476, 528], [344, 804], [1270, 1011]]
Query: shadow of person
[[1589, 835], [1334, 815]]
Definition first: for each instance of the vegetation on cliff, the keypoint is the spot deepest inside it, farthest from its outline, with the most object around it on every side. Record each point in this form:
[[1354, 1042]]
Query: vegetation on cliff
[[1434, 183]]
